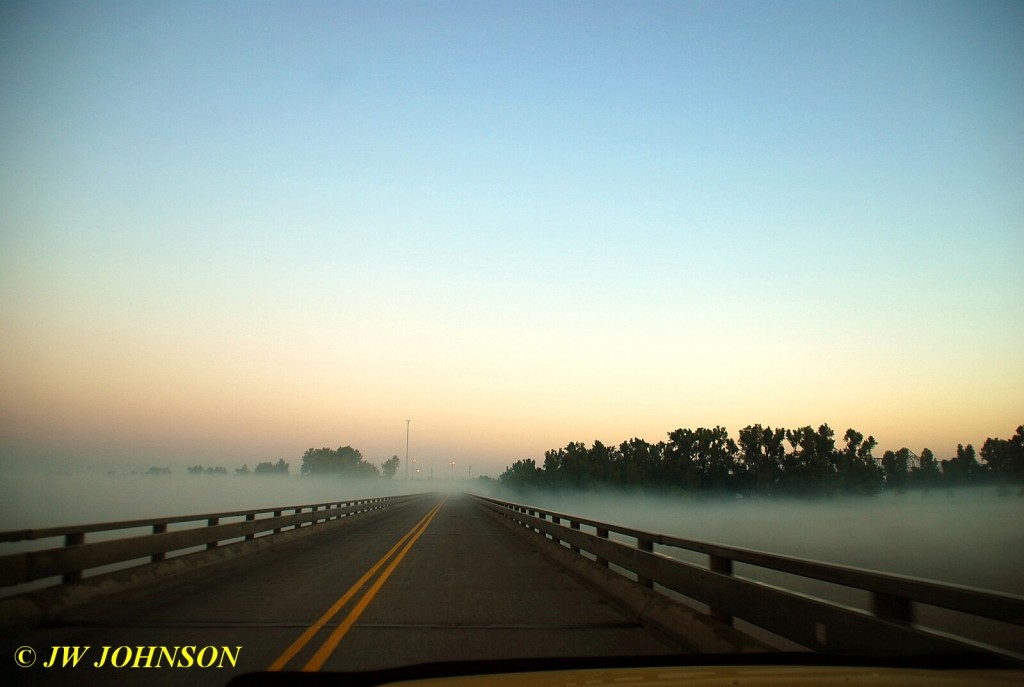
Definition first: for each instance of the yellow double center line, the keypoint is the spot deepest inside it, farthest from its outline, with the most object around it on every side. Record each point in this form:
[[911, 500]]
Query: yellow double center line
[[331, 643]]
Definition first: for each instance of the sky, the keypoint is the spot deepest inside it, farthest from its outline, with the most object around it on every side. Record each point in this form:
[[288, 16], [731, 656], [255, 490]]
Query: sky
[[231, 231]]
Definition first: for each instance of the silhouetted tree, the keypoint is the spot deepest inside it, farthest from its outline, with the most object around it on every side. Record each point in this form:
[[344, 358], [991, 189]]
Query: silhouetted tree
[[344, 461], [810, 466], [856, 469], [762, 450], [927, 474], [963, 469], [714, 455], [568, 465], [598, 466], [637, 462], [1005, 457], [552, 465], [896, 465], [681, 469], [390, 466], [268, 468], [522, 474]]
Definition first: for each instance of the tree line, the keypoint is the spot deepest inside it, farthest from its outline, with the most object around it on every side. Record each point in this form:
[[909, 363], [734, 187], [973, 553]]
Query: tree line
[[763, 461], [345, 460], [265, 468]]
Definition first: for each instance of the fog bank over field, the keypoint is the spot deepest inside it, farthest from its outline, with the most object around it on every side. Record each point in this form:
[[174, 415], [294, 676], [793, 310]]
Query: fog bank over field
[[967, 536], [972, 536], [38, 499]]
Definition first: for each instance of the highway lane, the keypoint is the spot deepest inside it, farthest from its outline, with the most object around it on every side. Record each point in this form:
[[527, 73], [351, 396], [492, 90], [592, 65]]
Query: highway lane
[[471, 589], [433, 580]]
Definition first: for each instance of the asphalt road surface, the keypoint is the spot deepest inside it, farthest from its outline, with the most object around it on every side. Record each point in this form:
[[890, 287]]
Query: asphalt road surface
[[436, 579]]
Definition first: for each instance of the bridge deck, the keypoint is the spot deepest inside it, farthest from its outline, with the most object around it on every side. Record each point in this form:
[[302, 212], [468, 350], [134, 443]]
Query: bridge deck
[[467, 589]]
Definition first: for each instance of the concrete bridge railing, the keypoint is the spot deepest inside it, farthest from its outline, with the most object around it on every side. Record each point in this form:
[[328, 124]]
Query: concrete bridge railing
[[76, 554], [889, 624]]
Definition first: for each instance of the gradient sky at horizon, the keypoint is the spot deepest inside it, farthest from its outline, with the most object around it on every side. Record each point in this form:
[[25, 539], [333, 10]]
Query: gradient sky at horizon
[[231, 231]]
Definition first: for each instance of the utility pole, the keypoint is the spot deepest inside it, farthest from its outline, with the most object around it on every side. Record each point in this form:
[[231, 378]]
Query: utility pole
[[407, 450]]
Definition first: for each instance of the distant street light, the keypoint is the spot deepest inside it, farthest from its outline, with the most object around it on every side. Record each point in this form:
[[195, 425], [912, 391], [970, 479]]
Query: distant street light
[[407, 450]]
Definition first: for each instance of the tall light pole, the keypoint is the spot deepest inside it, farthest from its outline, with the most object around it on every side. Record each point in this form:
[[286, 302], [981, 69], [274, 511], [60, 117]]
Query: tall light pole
[[407, 450]]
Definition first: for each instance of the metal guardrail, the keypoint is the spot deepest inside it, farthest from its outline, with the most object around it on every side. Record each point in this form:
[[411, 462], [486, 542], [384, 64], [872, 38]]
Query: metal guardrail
[[889, 626], [77, 555]]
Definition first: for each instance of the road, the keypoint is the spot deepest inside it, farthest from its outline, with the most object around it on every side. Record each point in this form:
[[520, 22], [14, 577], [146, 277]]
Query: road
[[436, 579]]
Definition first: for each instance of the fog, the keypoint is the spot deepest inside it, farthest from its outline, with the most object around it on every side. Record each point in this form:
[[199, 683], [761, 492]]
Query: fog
[[969, 536], [40, 499], [972, 537]]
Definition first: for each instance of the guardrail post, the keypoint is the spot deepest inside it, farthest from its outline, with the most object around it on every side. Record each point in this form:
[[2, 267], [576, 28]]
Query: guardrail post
[[890, 607], [159, 528], [249, 517], [574, 524], [603, 534], [73, 540], [646, 545], [212, 522], [723, 566], [277, 514]]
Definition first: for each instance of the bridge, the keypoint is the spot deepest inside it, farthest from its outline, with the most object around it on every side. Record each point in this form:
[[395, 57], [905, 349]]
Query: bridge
[[398, 581]]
